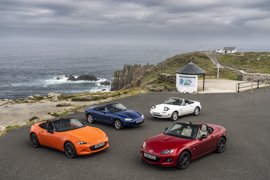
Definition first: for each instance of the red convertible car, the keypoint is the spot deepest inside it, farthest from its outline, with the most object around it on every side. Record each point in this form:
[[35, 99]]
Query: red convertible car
[[183, 142]]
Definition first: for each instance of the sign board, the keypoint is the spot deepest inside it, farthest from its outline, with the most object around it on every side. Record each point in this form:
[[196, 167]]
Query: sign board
[[186, 83]]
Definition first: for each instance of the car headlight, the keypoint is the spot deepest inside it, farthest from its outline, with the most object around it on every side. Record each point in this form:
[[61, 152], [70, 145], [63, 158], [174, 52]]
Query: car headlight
[[167, 151], [166, 109], [153, 107], [128, 119], [142, 116], [82, 142], [144, 145]]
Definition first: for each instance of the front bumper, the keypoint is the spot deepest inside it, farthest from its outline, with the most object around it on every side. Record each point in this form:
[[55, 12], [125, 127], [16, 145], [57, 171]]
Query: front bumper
[[134, 122], [87, 149], [163, 114], [167, 160]]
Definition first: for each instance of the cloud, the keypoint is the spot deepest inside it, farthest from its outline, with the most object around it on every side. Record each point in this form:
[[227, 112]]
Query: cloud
[[145, 18]]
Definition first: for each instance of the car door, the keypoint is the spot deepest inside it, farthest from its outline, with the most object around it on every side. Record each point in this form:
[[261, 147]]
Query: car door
[[187, 108], [50, 137], [205, 145]]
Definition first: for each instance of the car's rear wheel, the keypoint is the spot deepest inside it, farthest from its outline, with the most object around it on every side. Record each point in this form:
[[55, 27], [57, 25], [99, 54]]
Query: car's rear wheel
[[90, 118], [221, 146], [34, 140], [183, 160], [118, 124], [196, 111], [70, 150], [174, 116]]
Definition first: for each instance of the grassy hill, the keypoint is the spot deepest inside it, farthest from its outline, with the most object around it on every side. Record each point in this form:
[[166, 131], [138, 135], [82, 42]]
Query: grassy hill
[[253, 62]]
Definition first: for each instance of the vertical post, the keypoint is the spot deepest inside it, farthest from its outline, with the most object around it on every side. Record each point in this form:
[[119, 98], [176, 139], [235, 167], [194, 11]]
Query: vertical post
[[238, 89], [203, 81], [251, 90], [258, 84]]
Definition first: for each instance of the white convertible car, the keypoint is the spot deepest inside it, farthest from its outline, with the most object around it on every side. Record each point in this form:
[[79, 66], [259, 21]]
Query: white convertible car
[[175, 107]]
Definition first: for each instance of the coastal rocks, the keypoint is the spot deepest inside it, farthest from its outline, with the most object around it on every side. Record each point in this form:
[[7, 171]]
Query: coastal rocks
[[54, 96], [84, 77], [105, 83], [130, 76]]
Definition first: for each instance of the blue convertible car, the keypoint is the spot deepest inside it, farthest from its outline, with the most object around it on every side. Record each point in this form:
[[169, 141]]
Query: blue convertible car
[[114, 114]]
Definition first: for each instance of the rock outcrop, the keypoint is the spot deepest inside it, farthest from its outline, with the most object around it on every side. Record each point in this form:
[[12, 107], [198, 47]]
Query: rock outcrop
[[168, 78], [83, 77], [130, 76], [255, 77]]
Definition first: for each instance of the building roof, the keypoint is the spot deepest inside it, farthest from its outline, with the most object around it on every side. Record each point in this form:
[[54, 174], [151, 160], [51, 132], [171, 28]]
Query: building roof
[[229, 48], [191, 69]]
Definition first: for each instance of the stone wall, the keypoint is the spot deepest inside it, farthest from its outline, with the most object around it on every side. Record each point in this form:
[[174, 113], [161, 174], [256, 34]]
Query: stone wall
[[255, 77], [168, 78]]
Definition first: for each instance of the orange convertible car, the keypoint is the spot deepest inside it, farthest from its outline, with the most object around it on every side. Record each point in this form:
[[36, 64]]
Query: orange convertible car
[[68, 135]]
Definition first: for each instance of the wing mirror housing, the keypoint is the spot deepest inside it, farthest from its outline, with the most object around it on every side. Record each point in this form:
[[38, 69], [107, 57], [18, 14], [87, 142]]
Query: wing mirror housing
[[204, 136], [50, 130]]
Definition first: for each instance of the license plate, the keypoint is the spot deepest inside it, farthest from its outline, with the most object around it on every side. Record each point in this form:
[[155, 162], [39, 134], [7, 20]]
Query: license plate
[[156, 113], [138, 121], [150, 156], [99, 145]]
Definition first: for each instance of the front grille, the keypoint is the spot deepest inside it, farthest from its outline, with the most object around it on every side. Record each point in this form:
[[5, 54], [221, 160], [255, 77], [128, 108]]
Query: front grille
[[151, 160], [93, 148]]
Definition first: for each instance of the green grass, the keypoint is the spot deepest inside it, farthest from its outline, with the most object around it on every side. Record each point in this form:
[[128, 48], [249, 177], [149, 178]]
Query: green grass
[[12, 127], [252, 62]]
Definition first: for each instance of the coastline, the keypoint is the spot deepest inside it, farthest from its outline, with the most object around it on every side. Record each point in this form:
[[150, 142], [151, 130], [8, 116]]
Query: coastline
[[26, 111]]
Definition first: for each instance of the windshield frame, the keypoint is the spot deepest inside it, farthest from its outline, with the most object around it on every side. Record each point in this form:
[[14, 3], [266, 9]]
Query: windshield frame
[[193, 135], [116, 106], [174, 103], [70, 129]]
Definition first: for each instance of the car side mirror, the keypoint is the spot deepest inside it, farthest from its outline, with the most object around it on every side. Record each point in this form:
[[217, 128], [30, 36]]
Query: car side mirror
[[204, 136], [50, 130]]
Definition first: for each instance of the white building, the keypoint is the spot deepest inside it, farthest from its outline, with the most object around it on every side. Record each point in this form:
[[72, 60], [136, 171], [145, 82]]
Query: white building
[[226, 50]]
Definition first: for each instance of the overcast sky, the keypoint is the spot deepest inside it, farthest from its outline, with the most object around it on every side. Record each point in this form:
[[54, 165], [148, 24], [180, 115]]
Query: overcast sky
[[228, 22]]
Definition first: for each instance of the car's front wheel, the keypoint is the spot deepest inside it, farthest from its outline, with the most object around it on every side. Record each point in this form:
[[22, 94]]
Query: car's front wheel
[[221, 146], [174, 116], [90, 118], [118, 124], [196, 111], [183, 160], [34, 140], [70, 150]]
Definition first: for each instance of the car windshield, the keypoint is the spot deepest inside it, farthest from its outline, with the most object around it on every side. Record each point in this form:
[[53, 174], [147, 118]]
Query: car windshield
[[116, 107], [182, 131], [67, 124], [173, 101]]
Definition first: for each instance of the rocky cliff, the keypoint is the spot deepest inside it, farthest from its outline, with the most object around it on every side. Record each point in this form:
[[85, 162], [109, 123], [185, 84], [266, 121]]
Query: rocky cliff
[[130, 76]]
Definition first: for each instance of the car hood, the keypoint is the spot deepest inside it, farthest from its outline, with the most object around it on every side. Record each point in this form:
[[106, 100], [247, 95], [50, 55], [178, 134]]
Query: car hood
[[128, 114], [160, 107], [162, 142], [87, 134]]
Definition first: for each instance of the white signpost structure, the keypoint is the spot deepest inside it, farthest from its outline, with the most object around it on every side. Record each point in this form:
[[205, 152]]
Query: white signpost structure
[[187, 78]]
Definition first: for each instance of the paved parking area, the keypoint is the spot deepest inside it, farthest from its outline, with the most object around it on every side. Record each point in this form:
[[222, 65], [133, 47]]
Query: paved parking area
[[246, 117]]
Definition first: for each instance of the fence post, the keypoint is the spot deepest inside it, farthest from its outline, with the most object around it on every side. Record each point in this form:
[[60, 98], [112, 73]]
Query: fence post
[[238, 88], [258, 84], [251, 90]]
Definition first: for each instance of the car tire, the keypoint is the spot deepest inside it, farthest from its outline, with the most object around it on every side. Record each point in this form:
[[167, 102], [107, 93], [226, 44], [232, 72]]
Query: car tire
[[174, 116], [221, 146], [196, 111], [70, 150], [90, 119], [117, 124], [183, 160], [34, 140]]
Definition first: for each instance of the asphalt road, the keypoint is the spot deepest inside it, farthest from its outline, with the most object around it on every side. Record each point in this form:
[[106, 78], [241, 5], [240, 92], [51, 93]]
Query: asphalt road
[[246, 117]]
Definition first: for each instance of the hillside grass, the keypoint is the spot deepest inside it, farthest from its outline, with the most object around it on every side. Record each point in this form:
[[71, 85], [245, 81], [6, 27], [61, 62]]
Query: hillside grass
[[252, 62], [171, 65]]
